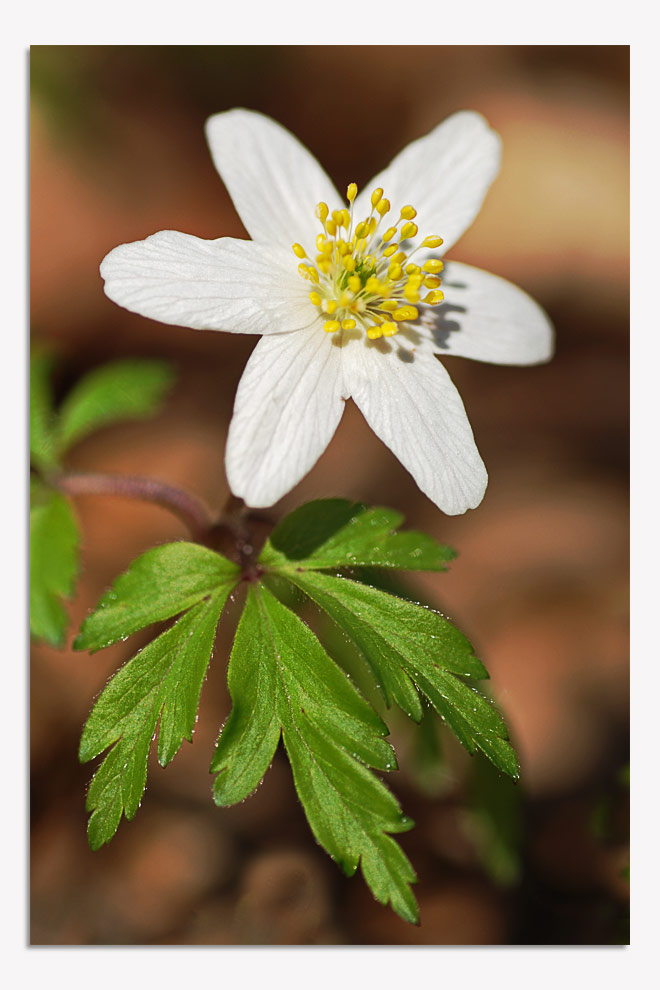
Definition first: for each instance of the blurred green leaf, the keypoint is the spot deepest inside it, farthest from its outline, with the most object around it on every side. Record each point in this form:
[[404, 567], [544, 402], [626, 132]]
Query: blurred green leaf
[[42, 437], [54, 541], [331, 735], [493, 822], [130, 389]]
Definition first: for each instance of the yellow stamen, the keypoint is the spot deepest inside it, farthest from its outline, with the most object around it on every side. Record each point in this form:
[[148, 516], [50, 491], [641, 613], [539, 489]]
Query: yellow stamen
[[408, 230], [363, 279], [433, 266], [405, 313]]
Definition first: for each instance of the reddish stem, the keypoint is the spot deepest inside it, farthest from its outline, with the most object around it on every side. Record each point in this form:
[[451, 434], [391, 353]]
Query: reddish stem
[[189, 509]]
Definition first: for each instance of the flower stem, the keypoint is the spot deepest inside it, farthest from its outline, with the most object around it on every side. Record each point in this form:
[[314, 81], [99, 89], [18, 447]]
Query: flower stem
[[189, 509]]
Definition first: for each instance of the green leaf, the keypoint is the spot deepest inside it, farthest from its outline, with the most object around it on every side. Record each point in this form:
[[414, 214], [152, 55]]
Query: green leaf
[[158, 585], [493, 821], [54, 543], [333, 533], [42, 437], [130, 389], [281, 680], [409, 647], [161, 687]]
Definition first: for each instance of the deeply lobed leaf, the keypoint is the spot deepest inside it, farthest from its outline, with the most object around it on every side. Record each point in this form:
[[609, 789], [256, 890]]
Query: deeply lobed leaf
[[160, 686], [281, 680], [159, 584], [332, 533]]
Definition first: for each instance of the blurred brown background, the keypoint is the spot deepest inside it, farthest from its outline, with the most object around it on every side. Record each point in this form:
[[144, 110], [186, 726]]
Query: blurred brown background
[[540, 586]]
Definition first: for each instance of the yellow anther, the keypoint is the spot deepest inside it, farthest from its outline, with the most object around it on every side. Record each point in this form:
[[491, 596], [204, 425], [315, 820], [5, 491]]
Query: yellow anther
[[307, 271], [415, 280], [325, 247], [431, 282], [348, 324], [432, 242], [373, 333], [408, 230], [433, 266], [376, 196], [324, 263], [351, 192], [354, 284], [372, 223], [389, 328], [345, 219], [389, 234], [383, 207], [411, 294], [315, 298], [373, 284], [405, 313], [389, 251], [349, 262], [413, 269], [298, 250], [331, 227], [329, 306], [394, 272], [408, 212], [343, 247], [337, 217], [322, 211], [331, 326], [433, 298], [389, 305], [399, 258], [361, 231]]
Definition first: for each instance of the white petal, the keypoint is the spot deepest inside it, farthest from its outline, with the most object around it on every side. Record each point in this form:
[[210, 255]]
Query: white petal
[[273, 180], [489, 319], [444, 175], [288, 405], [225, 284], [409, 400]]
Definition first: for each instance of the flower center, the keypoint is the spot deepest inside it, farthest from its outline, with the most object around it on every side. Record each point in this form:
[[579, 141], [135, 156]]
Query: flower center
[[364, 278]]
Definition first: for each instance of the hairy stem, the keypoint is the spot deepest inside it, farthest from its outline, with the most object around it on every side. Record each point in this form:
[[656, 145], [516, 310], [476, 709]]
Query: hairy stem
[[189, 509]]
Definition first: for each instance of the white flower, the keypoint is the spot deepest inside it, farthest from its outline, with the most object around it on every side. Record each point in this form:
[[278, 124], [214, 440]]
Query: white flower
[[346, 313]]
